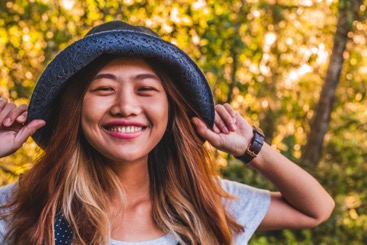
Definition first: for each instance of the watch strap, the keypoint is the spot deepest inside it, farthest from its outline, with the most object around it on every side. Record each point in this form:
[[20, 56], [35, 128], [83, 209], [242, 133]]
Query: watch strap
[[254, 146]]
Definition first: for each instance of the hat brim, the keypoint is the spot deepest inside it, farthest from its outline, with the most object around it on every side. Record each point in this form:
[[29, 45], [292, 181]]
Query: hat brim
[[188, 76]]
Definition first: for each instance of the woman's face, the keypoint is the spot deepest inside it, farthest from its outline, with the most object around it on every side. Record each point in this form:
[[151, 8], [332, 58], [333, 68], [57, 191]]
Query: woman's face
[[125, 110]]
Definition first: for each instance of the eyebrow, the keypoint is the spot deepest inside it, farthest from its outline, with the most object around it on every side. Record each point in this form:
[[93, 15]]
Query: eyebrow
[[104, 75], [147, 76], [137, 77]]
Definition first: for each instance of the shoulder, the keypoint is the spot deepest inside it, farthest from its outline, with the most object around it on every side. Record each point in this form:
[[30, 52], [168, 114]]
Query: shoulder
[[246, 196], [234, 187], [247, 199], [248, 206], [6, 192]]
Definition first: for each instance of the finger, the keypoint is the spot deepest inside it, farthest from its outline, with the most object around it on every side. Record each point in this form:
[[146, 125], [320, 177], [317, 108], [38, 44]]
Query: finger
[[200, 126], [3, 102], [22, 118], [28, 130], [216, 129], [205, 132], [231, 111], [226, 117], [220, 124], [15, 113], [4, 120]]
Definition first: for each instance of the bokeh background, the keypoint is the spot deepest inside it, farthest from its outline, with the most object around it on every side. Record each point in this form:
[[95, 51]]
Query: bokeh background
[[296, 68]]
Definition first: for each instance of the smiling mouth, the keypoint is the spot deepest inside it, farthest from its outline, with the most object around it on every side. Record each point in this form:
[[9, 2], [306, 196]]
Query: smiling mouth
[[126, 129]]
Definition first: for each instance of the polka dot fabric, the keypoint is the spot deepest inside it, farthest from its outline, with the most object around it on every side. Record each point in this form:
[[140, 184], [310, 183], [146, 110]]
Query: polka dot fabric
[[63, 231]]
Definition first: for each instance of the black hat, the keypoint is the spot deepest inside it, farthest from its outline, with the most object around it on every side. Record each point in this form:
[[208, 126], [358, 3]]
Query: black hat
[[119, 38]]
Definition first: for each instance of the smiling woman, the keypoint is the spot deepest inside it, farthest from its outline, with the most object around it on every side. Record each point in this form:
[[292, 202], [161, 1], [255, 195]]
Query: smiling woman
[[122, 117], [124, 96]]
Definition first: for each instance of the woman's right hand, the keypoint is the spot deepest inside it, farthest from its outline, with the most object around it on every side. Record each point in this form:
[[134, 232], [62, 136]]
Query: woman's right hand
[[13, 130]]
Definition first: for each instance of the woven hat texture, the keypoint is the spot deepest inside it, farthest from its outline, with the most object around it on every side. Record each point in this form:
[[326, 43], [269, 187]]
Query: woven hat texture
[[119, 38]]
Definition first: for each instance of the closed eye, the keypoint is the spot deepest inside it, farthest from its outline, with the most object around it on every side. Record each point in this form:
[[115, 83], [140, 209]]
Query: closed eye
[[146, 89], [104, 89]]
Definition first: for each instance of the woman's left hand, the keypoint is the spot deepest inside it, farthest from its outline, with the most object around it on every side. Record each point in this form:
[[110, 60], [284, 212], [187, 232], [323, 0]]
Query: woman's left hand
[[231, 133], [301, 201]]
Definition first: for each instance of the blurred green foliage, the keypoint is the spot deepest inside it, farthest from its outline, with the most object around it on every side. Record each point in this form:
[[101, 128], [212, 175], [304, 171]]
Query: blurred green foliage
[[267, 58]]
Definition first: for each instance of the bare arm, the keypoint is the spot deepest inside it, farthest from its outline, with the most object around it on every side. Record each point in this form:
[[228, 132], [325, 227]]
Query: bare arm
[[301, 201], [13, 130]]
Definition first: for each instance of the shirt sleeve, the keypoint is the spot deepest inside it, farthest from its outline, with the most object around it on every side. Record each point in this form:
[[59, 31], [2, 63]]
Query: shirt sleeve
[[248, 207], [5, 194]]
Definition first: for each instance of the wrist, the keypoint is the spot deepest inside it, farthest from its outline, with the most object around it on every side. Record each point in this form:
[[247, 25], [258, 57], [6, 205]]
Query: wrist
[[254, 147]]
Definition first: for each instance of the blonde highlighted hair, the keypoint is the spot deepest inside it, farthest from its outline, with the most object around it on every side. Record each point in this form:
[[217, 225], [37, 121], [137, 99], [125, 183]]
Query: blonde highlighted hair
[[73, 179]]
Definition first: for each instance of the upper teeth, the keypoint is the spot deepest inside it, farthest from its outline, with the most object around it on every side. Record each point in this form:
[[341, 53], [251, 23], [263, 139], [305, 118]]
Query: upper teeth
[[126, 129]]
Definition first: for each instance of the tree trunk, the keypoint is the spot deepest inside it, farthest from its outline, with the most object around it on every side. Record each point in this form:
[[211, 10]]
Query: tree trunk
[[271, 114], [234, 52], [348, 10]]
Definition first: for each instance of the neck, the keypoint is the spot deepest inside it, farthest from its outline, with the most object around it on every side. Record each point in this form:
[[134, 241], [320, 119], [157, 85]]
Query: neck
[[134, 177], [135, 219]]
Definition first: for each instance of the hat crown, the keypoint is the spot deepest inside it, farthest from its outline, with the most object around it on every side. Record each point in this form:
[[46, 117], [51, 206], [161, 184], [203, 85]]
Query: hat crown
[[120, 25], [119, 38]]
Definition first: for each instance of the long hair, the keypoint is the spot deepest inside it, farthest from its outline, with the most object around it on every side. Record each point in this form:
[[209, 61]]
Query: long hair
[[75, 180], [71, 178], [186, 193]]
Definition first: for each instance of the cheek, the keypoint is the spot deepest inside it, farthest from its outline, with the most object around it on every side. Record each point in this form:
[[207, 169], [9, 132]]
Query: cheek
[[89, 127], [161, 112], [92, 108], [86, 124], [90, 116], [157, 114], [86, 114]]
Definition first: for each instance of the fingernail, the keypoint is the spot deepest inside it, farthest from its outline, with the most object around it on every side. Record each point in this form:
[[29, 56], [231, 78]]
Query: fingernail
[[21, 117], [225, 130], [7, 121]]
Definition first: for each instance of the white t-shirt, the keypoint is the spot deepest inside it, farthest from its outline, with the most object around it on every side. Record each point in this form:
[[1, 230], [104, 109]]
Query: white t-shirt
[[248, 209]]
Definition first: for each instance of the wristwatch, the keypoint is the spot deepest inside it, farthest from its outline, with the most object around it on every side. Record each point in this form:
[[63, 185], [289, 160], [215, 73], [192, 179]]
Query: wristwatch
[[254, 146]]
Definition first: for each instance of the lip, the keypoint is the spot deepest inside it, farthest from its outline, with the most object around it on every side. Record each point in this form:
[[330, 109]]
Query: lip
[[124, 123], [127, 126]]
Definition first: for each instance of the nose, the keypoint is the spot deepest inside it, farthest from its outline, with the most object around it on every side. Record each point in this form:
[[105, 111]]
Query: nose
[[126, 104]]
